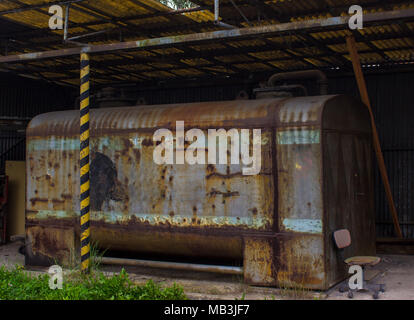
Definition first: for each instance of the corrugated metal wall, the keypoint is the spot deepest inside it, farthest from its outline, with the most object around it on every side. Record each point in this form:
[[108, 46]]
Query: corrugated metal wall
[[392, 98], [25, 98], [20, 100], [183, 95]]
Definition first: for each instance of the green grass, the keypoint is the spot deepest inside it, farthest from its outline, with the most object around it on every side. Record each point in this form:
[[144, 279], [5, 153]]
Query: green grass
[[96, 254], [17, 284]]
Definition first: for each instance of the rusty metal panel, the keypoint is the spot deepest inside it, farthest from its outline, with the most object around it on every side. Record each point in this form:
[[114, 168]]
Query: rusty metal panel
[[300, 207], [167, 244], [52, 186], [130, 192], [46, 245], [301, 262], [347, 183], [299, 180], [349, 179], [123, 168], [277, 222], [259, 261]]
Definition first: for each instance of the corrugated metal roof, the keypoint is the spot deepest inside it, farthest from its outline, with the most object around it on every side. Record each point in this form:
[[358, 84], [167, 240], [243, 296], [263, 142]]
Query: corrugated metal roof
[[385, 43]]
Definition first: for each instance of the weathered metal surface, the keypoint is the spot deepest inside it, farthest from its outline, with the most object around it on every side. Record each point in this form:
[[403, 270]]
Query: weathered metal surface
[[299, 172], [123, 171], [122, 167], [46, 244], [391, 94], [268, 30], [300, 197], [348, 197], [174, 242], [277, 222], [301, 261], [260, 267]]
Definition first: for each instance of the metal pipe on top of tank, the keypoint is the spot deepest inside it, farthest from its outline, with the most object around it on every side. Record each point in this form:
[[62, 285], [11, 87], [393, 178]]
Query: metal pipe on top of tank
[[297, 75]]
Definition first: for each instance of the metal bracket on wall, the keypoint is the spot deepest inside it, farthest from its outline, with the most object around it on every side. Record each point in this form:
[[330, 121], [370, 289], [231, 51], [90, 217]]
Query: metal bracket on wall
[[65, 30], [350, 40], [217, 16]]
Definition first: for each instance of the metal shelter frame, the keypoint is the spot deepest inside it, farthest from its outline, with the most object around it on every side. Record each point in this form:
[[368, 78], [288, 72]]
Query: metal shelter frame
[[178, 40]]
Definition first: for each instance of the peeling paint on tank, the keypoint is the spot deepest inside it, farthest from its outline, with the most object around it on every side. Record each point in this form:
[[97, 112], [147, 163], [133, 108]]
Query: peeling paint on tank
[[183, 220], [154, 220], [303, 225], [48, 214], [56, 143]]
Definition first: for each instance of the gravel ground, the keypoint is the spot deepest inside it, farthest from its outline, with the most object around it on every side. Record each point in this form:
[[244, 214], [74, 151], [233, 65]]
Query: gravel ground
[[9, 254], [395, 271]]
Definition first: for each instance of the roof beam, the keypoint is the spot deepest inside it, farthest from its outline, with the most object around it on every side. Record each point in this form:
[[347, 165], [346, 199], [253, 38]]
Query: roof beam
[[269, 10], [38, 6], [271, 30], [202, 68], [258, 48]]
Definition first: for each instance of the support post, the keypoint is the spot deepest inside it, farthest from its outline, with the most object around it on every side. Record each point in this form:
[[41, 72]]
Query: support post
[[84, 164], [216, 10], [65, 31], [350, 40]]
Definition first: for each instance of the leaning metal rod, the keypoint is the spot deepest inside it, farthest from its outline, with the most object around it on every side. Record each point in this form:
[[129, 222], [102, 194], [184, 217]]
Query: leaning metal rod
[[84, 163], [88, 35], [241, 13], [350, 40]]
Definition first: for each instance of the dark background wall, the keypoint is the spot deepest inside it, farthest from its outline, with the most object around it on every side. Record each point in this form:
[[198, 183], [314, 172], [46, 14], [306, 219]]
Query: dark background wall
[[392, 97], [20, 100]]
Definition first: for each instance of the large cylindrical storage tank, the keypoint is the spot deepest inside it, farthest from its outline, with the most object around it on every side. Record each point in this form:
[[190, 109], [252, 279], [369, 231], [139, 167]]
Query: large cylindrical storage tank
[[312, 177]]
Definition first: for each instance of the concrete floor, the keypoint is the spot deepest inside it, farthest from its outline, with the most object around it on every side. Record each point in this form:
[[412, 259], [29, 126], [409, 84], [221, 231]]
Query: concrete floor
[[396, 271], [9, 254]]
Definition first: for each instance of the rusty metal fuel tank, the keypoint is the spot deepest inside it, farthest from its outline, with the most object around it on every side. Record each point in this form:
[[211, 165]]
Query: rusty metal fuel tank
[[315, 178]]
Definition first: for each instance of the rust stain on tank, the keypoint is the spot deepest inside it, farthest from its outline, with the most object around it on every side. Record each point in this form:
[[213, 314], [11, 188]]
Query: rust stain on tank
[[147, 143]]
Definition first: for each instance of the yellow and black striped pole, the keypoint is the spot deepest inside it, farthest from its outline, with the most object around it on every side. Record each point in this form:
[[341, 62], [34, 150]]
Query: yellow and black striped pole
[[84, 163]]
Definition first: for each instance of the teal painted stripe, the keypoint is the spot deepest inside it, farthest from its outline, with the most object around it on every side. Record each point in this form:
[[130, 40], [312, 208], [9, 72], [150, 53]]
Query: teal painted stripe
[[181, 220], [303, 225], [59, 214], [154, 219], [298, 137], [71, 144], [52, 144]]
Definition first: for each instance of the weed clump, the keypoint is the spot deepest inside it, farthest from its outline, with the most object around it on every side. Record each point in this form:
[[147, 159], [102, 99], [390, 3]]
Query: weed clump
[[17, 284]]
